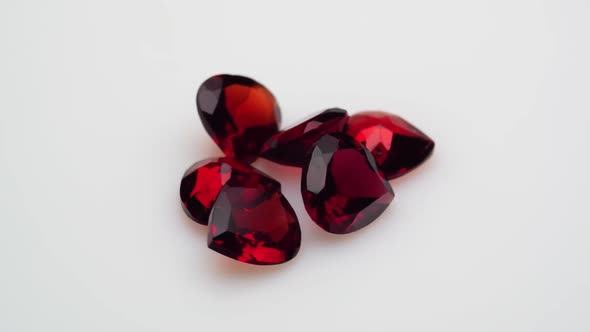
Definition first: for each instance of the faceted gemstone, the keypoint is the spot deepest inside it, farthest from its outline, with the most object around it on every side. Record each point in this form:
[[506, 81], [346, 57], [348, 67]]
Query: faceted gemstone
[[202, 182], [238, 113], [290, 146], [398, 146], [341, 186], [253, 222]]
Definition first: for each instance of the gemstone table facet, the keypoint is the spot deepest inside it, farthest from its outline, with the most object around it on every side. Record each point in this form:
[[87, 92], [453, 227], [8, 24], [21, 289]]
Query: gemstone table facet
[[239, 114], [341, 186]]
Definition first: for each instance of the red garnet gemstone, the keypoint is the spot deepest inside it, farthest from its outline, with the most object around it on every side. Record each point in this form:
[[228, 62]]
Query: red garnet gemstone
[[238, 113], [253, 222], [341, 186], [290, 146], [398, 147], [202, 182]]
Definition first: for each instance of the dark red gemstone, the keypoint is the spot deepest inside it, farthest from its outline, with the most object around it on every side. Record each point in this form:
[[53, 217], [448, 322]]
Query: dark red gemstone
[[341, 186], [253, 222], [290, 146], [239, 114], [202, 182], [398, 146]]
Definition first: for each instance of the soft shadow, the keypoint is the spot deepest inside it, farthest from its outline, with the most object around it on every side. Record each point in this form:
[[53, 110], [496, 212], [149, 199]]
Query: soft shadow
[[193, 144], [196, 228], [211, 150], [229, 269], [426, 167]]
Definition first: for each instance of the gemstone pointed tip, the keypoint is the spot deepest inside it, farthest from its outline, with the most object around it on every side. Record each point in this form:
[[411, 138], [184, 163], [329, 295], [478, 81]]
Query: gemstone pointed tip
[[290, 146], [397, 146]]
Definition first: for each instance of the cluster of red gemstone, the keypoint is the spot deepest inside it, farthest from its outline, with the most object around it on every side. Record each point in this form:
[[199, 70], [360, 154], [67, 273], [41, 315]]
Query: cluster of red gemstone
[[346, 163]]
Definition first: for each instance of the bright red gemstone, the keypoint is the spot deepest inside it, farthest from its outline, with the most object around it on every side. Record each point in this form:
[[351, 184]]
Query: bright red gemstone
[[239, 114], [202, 182], [253, 222], [341, 186], [290, 146], [398, 146]]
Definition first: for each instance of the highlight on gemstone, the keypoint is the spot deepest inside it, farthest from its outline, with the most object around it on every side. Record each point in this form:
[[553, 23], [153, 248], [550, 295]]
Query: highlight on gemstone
[[341, 186], [290, 146], [202, 182], [239, 113], [397, 146], [252, 222]]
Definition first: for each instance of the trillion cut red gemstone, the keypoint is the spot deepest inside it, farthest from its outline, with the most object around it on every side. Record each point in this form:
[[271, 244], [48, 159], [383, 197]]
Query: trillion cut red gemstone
[[289, 147], [239, 114], [398, 146], [202, 182], [253, 222], [341, 186]]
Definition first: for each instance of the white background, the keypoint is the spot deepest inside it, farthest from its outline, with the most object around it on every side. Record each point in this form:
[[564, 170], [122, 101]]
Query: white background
[[98, 123]]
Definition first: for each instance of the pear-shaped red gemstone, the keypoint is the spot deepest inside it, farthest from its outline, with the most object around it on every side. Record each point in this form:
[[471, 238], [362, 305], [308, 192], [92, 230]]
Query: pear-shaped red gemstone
[[252, 222], [202, 182], [341, 186], [289, 147], [239, 114], [398, 146]]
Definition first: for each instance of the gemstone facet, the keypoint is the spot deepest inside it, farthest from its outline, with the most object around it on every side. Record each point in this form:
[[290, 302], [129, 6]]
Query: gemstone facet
[[398, 146], [202, 182], [289, 147], [239, 114], [341, 186], [252, 222]]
